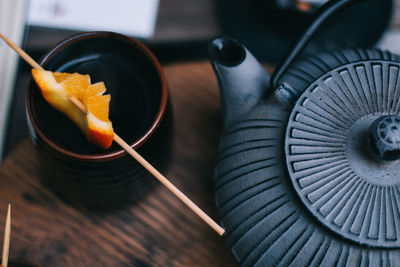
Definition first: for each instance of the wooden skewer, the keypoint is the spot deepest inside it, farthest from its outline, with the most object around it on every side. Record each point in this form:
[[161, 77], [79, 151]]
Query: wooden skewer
[[169, 185], [22, 53], [160, 177], [6, 242], [132, 152]]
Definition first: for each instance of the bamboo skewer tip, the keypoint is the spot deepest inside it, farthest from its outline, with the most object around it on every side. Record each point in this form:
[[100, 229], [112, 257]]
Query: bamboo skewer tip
[[7, 235]]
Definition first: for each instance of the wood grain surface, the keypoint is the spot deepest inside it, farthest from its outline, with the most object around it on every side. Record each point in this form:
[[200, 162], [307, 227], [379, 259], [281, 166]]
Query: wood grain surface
[[157, 231]]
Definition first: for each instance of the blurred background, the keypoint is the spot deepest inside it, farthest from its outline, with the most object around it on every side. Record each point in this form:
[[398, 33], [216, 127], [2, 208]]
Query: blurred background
[[177, 31]]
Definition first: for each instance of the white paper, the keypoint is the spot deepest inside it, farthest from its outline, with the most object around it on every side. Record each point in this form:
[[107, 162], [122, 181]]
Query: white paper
[[132, 17], [12, 25]]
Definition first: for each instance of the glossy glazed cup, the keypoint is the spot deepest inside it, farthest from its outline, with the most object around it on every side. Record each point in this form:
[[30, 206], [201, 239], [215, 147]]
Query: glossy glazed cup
[[140, 112]]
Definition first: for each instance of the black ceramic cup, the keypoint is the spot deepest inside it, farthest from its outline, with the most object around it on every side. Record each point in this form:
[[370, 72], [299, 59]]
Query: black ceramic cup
[[140, 113]]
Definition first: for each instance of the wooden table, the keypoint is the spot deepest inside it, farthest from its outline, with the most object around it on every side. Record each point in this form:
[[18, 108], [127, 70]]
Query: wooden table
[[157, 231]]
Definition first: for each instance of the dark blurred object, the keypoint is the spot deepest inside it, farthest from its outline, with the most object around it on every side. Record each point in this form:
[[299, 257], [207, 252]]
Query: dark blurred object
[[266, 27], [299, 5]]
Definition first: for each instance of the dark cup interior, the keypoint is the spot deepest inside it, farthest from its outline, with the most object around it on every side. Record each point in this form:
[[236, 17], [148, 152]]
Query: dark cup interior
[[131, 76]]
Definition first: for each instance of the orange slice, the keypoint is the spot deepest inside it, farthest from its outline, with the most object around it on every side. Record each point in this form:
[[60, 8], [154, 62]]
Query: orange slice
[[57, 89], [93, 90], [76, 84], [98, 122]]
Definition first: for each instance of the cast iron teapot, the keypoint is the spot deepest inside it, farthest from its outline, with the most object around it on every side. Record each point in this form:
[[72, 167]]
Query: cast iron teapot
[[308, 169]]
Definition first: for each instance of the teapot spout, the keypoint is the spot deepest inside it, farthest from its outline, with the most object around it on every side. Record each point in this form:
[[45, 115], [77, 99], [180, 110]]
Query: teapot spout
[[243, 82]]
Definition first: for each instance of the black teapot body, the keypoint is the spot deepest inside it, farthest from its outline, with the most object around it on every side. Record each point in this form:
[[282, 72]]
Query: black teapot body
[[307, 170]]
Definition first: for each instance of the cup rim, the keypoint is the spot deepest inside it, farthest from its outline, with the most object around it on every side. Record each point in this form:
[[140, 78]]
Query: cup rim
[[102, 35]]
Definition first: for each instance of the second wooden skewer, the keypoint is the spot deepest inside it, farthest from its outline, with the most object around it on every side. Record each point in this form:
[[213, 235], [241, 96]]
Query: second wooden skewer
[[132, 152], [7, 235]]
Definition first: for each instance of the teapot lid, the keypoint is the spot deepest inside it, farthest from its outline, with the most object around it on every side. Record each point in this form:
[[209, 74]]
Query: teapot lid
[[342, 146]]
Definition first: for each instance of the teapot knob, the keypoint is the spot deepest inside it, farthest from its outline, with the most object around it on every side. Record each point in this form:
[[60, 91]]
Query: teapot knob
[[384, 137]]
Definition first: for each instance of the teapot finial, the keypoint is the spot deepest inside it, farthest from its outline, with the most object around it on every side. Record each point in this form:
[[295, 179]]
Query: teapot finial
[[384, 137], [242, 79]]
